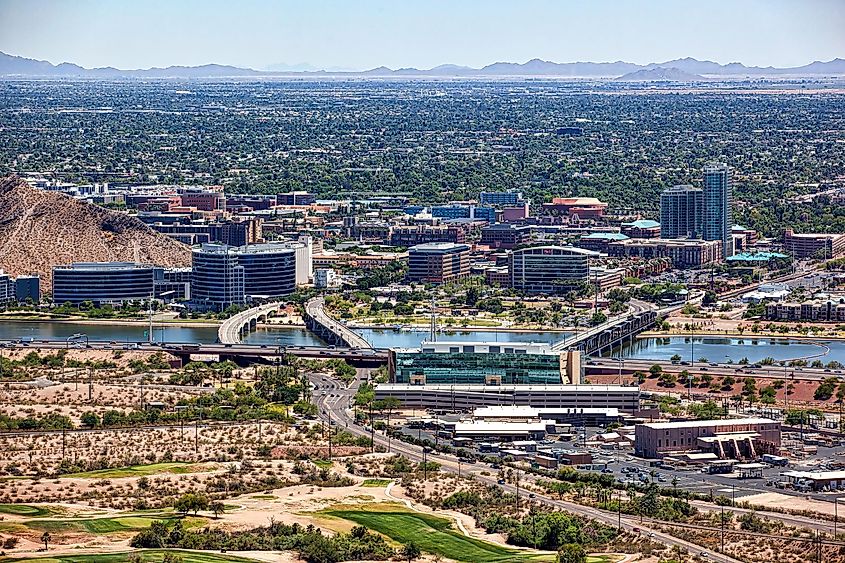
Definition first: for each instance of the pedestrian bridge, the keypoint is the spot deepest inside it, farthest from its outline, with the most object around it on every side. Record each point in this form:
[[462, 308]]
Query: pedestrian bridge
[[235, 327]]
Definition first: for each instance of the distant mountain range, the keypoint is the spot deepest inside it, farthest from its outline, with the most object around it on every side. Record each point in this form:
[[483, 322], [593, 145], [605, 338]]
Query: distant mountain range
[[660, 74], [687, 69]]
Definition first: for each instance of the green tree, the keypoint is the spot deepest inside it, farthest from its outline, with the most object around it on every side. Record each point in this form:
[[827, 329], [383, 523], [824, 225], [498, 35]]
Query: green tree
[[410, 551], [571, 553]]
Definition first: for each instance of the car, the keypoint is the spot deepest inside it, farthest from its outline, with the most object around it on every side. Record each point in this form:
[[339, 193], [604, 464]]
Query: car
[[531, 495], [651, 534], [704, 555], [501, 481], [606, 470]]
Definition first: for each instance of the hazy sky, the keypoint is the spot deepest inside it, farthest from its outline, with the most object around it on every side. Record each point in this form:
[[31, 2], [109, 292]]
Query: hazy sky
[[361, 34]]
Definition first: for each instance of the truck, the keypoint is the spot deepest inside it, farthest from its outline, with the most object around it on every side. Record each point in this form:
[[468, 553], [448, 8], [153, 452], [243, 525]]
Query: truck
[[775, 460]]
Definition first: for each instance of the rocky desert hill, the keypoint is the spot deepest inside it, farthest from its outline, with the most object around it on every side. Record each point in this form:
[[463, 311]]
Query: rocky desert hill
[[39, 230]]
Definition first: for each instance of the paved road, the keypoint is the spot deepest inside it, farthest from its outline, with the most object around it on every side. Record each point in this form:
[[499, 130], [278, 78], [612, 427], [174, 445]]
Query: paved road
[[315, 308], [333, 402], [608, 366], [229, 332]]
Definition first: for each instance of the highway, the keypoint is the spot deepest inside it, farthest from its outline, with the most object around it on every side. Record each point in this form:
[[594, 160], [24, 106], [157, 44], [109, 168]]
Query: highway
[[333, 401], [610, 366], [366, 356]]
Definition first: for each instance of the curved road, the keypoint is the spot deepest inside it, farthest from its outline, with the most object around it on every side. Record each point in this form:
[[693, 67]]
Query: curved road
[[315, 308], [333, 402]]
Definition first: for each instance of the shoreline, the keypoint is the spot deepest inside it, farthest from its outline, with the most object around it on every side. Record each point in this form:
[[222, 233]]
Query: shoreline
[[116, 322], [734, 334], [423, 328]]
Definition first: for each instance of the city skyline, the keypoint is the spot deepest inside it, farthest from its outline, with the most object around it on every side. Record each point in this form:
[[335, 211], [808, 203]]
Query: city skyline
[[330, 35]]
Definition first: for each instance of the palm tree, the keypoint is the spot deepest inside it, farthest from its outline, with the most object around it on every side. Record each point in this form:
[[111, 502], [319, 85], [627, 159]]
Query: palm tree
[[45, 537]]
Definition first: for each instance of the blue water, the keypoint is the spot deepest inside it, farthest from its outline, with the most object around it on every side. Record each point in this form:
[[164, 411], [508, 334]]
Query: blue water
[[389, 338], [715, 349], [721, 349], [96, 331]]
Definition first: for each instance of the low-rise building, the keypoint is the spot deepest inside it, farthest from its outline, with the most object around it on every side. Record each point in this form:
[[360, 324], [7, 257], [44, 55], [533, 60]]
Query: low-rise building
[[581, 207], [548, 269], [102, 283], [728, 438], [449, 397], [598, 242], [642, 228], [505, 235], [813, 245], [817, 310], [684, 253], [438, 262], [483, 363], [424, 234]]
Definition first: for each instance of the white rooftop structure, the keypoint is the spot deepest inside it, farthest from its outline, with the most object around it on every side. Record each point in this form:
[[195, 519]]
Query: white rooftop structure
[[459, 346], [815, 475], [772, 291], [487, 428], [527, 412]]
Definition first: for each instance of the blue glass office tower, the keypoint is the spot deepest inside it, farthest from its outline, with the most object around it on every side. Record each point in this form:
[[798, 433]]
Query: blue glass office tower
[[717, 206]]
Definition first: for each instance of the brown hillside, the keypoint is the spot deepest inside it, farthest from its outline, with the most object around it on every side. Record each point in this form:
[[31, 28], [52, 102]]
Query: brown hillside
[[39, 230]]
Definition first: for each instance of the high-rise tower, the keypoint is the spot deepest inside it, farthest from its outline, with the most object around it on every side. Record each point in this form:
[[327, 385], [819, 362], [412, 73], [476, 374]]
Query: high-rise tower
[[717, 206]]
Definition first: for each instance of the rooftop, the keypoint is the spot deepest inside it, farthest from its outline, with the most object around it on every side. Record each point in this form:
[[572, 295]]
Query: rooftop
[[643, 224], [756, 257], [438, 247], [705, 423], [445, 346], [580, 201], [102, 266], [815, 475], [606, 236], [507, 388]]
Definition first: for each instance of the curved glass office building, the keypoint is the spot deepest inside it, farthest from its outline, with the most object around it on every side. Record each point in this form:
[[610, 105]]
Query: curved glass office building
[[269, 270], [216, 279], [102, 283], [226, 275]]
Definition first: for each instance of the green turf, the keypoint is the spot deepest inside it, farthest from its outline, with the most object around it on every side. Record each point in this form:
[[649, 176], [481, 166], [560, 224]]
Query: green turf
[[147, 556], [264, 497], [322, 463], [375, 482], [432, 534], [176, 467], [105, 525], [25, 510]]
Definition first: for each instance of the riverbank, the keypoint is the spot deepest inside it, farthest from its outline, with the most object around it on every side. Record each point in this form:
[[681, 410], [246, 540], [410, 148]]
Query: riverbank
[[736, 334], [453, 328], [161, 323]]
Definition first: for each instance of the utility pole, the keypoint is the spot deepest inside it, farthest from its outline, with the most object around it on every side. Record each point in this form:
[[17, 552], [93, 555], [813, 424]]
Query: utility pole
[[619, 512], [372, 431], [517, 491], [150, 308], [196, 436], [722, 522], [330, 435], [64, 433], [90, 383]]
